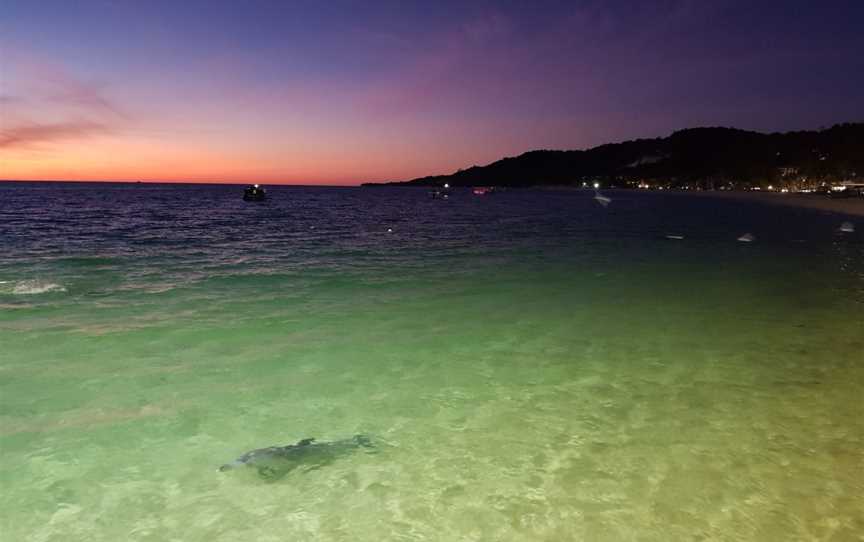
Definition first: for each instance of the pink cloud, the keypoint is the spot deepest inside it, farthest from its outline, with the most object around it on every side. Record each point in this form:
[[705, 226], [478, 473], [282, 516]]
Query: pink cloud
[[43, 79], [31, 133], [43, 102]]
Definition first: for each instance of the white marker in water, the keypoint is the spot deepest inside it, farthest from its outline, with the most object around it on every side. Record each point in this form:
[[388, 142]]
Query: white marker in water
[[389, 230], [847, 227], [747, 238], [601, 199]]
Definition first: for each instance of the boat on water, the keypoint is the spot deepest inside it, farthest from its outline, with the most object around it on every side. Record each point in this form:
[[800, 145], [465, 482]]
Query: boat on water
[[254, 193], [484, 190], [440, 193]]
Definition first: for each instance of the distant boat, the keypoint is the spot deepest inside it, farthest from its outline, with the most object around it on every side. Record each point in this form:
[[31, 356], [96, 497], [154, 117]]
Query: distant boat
[[484, 190], [254, 193], [440, 193]]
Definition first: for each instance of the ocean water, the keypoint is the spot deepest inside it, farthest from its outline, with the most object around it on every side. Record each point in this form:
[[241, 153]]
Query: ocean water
[[528, 365]]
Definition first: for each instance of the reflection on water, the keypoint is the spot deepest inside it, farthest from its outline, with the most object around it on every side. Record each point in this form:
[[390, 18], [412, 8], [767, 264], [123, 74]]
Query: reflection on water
[[531, 366]]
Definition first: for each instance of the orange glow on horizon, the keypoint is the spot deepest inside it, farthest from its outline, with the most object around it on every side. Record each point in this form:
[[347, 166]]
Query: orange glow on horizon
[[104, 159]]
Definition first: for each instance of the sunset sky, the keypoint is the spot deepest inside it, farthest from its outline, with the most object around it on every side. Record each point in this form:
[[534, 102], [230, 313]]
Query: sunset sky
[[347, 92]]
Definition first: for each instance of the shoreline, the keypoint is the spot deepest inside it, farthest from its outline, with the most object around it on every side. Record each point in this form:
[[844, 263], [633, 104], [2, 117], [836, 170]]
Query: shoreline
[[853, 206]]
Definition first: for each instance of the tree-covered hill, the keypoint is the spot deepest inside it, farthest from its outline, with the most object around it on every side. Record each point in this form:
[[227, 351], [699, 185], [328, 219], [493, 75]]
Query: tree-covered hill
[[707, 157]]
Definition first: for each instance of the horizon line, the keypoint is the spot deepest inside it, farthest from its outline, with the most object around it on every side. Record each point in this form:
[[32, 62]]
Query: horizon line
[[142, 181]]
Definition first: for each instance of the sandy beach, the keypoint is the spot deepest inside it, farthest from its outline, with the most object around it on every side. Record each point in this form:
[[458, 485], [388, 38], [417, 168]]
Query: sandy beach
[[847, 206]]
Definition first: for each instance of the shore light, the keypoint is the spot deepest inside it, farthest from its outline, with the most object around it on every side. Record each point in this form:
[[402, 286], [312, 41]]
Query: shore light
[[596, 185]]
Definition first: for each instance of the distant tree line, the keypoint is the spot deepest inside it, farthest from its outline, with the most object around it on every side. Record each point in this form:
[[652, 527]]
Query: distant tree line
[[707, 158]]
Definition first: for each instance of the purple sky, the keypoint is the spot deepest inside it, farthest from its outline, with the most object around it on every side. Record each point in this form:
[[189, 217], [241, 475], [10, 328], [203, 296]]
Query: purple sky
[[346, 92]]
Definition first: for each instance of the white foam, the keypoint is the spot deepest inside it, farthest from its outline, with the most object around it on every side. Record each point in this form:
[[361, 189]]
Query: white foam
[[31, 287]]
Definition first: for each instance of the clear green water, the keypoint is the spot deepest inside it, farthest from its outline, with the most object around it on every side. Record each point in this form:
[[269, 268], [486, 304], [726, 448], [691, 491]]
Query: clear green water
[[532, 367]]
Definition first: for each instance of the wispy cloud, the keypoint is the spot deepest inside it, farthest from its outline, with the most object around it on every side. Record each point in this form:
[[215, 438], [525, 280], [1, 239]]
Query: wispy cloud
[[87, 96], [443, 72], [30, 133], [44, 103], [8, 99]]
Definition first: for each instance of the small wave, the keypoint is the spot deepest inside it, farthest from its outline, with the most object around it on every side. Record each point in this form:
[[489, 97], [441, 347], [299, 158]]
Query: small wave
[[32, 287]]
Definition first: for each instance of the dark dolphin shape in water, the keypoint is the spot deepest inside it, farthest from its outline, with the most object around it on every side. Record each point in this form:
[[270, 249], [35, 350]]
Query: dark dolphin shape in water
[[275, 462]]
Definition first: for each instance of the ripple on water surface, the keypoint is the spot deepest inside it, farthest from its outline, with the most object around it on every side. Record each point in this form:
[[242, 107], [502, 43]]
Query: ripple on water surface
[[530, 367]]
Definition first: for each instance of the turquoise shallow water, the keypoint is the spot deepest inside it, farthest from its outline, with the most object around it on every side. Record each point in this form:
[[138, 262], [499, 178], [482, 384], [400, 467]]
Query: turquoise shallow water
[[530, 366]]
